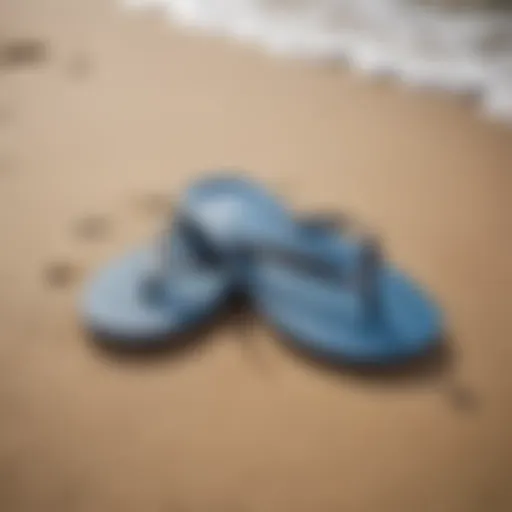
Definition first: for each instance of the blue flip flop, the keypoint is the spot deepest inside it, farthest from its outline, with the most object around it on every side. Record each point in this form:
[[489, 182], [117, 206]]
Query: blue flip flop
[[329, 292], [157, 291], [344, 303], [232, 209]]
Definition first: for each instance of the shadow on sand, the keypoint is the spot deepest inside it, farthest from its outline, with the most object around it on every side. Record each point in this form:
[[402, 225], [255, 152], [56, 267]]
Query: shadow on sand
[[435, 369]]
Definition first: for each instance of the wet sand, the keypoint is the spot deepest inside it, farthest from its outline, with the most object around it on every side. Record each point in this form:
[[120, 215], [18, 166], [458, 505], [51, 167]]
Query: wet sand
[[119, 109]]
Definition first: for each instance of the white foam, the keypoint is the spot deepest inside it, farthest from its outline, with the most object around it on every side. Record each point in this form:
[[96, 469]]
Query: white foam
[[459, 51]]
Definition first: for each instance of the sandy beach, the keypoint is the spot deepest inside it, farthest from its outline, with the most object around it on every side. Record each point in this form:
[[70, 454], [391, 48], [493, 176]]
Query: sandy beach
[[118, 109]]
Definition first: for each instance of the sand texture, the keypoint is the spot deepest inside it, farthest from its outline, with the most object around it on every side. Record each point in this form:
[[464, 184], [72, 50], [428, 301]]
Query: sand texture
[[102, 112]]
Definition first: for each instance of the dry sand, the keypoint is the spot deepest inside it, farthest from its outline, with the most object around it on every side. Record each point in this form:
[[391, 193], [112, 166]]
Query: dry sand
[[122, 108]]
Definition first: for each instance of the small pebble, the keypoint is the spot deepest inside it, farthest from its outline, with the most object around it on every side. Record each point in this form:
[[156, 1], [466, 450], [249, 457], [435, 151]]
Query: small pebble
[[92, 227], [60, 274], [462, 398], [22, 52]]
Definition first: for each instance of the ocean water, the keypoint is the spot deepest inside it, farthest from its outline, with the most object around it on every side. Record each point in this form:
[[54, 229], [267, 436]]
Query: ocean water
[[464, 48]]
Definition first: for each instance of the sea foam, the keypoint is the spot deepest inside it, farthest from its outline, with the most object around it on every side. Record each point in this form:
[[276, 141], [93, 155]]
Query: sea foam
[[463, 51]]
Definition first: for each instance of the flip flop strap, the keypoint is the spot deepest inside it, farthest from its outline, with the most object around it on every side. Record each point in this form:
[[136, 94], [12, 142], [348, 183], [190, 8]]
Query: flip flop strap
[[198, 246], [361, 280]]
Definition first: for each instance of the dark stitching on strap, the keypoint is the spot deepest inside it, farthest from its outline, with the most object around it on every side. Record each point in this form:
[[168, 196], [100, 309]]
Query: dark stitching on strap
[[362, 281], [198, 239], [203, 251], [312, 264]]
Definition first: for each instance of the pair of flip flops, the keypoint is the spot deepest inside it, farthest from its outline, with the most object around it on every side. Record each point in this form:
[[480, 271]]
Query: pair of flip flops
[[329, 291]]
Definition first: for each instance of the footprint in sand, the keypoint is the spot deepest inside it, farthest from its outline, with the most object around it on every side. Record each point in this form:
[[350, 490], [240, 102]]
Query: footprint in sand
[[462, 398], [92, 227], [60, 274], [22, 52]]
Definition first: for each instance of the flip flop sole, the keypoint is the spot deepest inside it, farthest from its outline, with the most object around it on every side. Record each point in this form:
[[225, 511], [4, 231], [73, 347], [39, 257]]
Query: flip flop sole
[[327, 319], [119, 307]]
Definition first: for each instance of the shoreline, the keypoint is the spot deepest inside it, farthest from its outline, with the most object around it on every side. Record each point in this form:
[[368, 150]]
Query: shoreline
[[462, 51]]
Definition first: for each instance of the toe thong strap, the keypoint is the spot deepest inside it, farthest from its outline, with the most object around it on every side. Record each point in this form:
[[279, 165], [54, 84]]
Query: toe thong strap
[[369, 263], [357, 270], [322, 222], [198, 250]]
